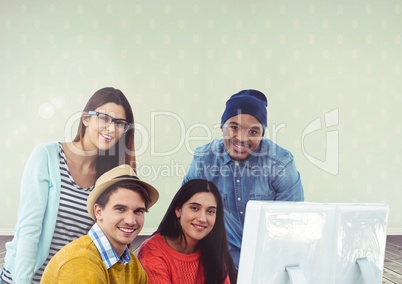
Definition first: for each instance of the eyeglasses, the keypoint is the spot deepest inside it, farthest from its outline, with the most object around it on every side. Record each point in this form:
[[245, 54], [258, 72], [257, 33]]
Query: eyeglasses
[[105, 120]]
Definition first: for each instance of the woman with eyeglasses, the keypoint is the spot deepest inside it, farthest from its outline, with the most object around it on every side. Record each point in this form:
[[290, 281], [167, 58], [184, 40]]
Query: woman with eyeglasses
[[57, 180], [190, 244]]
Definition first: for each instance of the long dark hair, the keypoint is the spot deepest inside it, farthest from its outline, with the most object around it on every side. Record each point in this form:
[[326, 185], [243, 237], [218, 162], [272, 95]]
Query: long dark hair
[[215, 256], [123, 152]]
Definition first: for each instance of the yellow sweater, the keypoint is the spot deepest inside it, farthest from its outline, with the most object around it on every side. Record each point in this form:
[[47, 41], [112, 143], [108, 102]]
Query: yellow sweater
[[80, 262]]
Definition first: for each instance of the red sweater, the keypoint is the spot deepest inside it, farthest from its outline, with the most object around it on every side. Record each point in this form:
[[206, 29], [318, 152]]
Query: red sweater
[[165, 265]]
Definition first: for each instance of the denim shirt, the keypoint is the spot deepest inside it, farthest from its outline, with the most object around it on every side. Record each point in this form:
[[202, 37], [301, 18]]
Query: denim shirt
[[269, 173]]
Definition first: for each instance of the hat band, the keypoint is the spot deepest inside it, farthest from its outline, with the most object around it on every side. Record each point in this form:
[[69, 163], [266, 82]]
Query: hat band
[[126, 176]]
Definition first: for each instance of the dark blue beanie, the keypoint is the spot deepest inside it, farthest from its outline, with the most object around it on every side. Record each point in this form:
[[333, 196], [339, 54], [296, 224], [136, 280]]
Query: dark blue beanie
[[250, 102]]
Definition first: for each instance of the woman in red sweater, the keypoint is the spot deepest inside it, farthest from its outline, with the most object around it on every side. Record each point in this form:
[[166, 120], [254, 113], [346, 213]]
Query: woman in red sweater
[[190, 244]]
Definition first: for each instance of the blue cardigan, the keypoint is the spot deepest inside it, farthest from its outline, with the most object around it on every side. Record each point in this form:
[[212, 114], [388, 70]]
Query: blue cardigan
[[37, 213]]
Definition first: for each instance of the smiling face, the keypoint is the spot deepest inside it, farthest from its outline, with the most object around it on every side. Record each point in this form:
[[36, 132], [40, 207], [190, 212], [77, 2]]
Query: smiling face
[[99, 136], [122, 218], [241, 136], [197, 216]]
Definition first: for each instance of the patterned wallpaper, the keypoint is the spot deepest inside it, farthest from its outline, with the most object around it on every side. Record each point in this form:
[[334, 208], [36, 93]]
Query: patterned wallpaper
[[331, 71]]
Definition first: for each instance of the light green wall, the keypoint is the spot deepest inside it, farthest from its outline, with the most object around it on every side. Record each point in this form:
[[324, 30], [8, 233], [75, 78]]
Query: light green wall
[[338, 63]]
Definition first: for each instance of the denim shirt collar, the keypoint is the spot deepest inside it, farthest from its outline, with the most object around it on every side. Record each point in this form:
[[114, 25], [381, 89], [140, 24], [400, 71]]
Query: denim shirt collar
[[108, 254]]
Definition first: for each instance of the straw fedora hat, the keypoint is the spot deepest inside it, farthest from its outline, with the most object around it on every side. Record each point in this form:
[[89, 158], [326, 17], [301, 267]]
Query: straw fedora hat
[[119, 173]]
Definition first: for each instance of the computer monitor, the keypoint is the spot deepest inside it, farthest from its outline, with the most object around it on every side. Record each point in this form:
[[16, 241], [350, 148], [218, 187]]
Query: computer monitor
[[302, 242]]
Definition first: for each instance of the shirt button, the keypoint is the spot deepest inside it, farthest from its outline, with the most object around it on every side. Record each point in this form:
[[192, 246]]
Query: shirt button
[[239, 198], [241, 212], [237, 181]]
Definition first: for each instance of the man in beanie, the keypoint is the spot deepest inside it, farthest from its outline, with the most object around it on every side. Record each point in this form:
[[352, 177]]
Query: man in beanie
[[244, 165], [117, 203]]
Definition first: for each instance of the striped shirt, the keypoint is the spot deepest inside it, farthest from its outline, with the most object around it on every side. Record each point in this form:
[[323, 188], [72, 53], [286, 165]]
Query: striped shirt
[[73, 220], [108, 254]]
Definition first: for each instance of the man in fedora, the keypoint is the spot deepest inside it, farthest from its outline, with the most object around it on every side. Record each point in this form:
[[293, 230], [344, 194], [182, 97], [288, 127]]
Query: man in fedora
[[118, 204]]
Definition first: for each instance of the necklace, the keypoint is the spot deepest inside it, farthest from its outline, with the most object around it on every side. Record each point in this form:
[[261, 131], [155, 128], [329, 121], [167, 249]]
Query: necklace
[[175, 246]]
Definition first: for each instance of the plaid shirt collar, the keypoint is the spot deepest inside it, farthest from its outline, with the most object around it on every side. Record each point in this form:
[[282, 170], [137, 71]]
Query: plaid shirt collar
[[108, 254]]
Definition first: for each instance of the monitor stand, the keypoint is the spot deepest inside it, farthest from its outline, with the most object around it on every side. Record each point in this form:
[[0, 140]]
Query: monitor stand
[[296, 274], [367, 271]]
